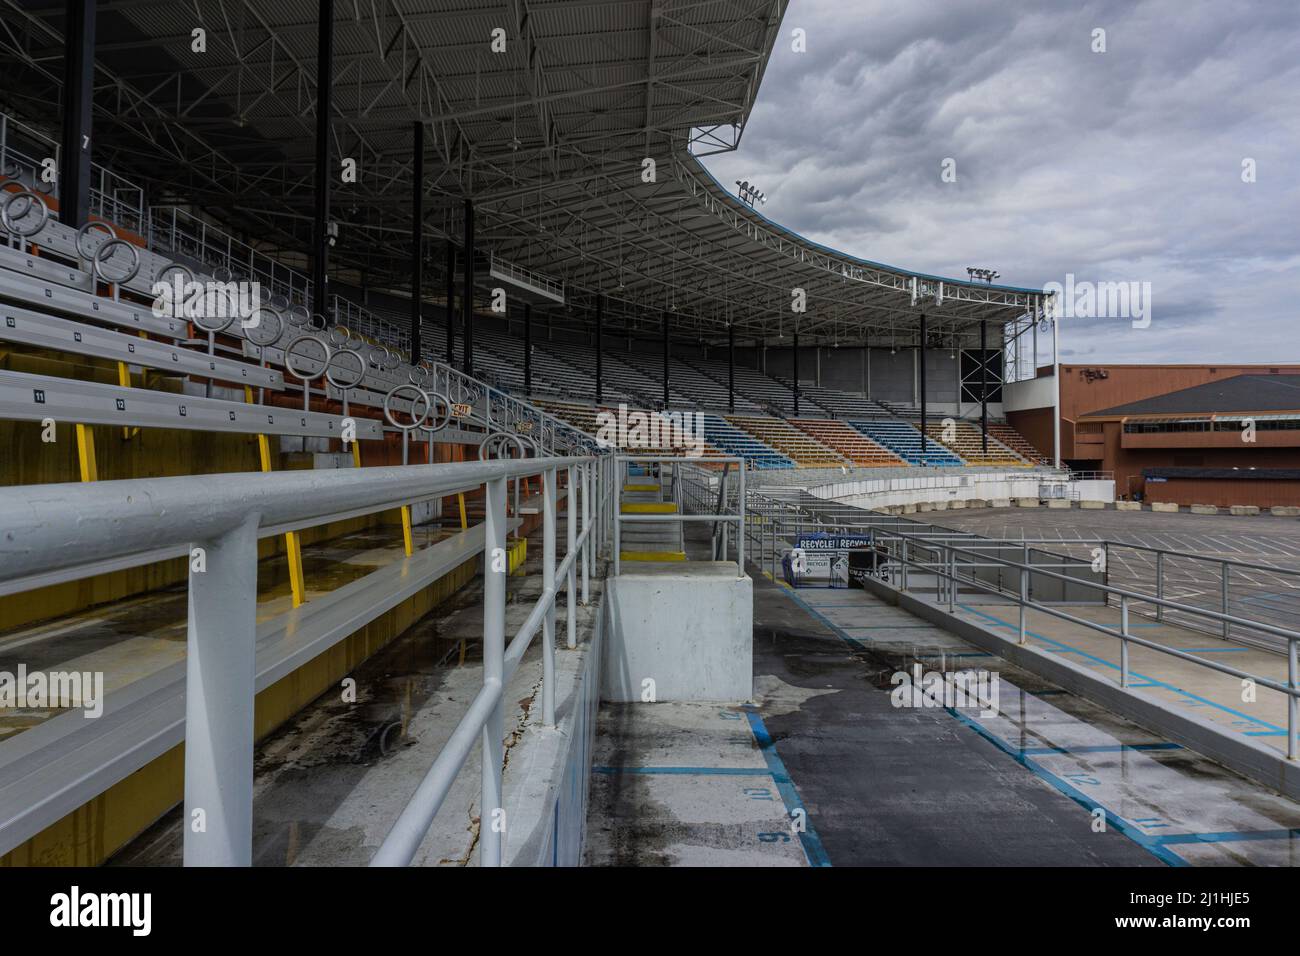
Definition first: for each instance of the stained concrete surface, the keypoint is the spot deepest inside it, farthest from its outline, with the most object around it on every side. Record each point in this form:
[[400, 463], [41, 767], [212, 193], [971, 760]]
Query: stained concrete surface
[[904, 786], [1043, 778], [330, 783], [685, 784], [1023, 783]]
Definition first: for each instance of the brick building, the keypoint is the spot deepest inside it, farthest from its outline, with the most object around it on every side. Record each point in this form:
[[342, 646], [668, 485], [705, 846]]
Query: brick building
[[1206, 434]]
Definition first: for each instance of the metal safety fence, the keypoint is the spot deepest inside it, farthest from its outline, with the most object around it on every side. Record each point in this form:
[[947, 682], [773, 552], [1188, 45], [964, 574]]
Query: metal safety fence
[[57, 533], [915, 557]]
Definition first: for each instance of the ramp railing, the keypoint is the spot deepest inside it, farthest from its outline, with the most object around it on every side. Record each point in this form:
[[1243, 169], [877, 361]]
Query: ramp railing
[[952, 561], [589, 492], [64, 532]]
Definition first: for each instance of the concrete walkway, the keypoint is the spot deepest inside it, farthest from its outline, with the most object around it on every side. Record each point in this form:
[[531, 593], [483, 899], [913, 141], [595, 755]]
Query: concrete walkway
[[1176, 683], [687, 784], [1042, 778]]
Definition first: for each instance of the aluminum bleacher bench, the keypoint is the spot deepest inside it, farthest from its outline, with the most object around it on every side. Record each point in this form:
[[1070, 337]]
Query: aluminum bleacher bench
[[53, 768], [26, 397], [64, 335]]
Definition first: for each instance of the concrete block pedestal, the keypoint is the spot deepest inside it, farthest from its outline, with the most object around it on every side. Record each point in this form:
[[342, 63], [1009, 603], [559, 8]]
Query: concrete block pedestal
[[685, 626]]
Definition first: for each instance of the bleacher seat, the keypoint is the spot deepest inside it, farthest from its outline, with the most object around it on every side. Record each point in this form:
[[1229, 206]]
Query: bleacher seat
[[852, 444], [726, 436], [967, 441], [905, 441], [797, 445], [838, 403], [762, 389]]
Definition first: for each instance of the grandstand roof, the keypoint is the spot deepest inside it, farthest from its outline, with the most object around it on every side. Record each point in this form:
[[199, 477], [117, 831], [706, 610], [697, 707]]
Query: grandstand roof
[[1241, 393], [549, 139]]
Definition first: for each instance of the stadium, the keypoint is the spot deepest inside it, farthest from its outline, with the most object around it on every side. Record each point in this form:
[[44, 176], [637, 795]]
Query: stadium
[[418, 457]]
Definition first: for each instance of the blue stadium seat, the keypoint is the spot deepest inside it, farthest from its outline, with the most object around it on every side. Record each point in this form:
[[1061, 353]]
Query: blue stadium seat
[[905, 441], [726, 436]]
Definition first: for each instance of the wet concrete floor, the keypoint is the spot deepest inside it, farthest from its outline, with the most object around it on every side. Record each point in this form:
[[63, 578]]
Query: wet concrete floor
[[833, 764]]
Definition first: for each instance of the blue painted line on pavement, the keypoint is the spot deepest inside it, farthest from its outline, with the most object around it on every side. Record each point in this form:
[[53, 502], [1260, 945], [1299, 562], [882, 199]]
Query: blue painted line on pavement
[[811, 842], [1098, 749], [690, 771], [1152, 681], [1231, 837], [1092, 806]]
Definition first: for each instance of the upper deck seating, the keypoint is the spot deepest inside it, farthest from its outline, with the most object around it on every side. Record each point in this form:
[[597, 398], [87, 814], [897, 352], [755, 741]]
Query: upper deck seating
[[839, 403], [761, 389]]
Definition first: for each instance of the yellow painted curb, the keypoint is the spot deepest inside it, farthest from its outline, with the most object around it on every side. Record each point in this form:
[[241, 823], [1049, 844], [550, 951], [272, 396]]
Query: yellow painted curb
[[649, 508]]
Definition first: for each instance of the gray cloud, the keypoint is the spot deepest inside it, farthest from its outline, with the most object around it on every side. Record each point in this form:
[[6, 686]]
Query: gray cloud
[[1116, 166]]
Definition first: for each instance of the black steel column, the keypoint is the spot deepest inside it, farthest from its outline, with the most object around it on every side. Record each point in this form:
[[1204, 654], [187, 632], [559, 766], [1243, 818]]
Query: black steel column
[[467, 288], [667, 319], [451, 304], [417, 237], [923, 355], [796, 374], [324, 104], [731, 368], [528, 349], [78, 92], [600, 302], [984, 387]]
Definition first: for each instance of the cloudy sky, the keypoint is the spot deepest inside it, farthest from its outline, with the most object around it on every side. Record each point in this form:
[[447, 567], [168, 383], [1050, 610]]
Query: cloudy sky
[[1123, 165]]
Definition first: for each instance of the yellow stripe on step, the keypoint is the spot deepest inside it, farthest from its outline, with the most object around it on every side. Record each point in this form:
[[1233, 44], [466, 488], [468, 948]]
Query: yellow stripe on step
[[649, 508], [652, 556], [634, 488]]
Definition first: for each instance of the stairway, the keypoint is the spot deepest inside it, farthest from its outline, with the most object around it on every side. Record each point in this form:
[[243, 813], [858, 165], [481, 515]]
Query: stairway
[[647, 491], [1016, 442]]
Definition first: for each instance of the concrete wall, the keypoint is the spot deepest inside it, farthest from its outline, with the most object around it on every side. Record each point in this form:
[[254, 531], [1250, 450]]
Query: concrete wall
[[1265, 493], [882, 492], [548, 806], [892, 375], [1095, 490], [687, 627], [1034, 393]]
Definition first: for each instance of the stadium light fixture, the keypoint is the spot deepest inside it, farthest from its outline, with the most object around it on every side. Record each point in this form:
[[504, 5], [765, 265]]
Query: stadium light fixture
[[988, 275], [750, 194]]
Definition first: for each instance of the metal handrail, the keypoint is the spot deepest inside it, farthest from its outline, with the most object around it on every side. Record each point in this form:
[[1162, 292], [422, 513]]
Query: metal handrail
[[106, 186], [484, 719], [680, 467], [946, 567], [525, 275], [63, 532], [178, 231]]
